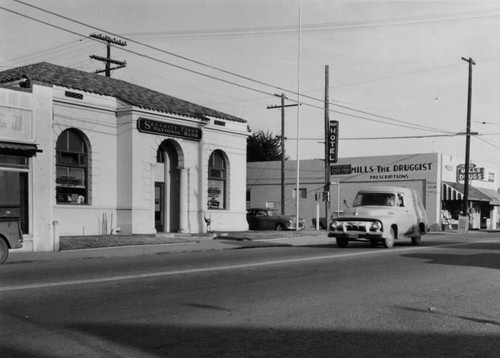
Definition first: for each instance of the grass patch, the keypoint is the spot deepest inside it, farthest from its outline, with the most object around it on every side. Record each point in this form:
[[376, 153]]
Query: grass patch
[[92, 242], [97, 241]]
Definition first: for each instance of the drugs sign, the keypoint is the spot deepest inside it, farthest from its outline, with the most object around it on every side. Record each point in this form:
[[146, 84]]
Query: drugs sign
[[333, 141]]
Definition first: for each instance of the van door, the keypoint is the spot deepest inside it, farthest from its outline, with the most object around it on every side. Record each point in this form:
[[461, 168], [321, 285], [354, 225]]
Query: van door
[[407, 215]]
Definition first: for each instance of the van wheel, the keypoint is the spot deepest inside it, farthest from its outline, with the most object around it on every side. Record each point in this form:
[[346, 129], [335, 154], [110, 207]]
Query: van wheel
[[342, 242], [389, 242], [280, 227], [4, 251], [415, 240]]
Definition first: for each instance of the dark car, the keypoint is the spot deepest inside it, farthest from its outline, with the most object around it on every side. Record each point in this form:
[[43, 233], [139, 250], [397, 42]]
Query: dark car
[[270, 219], [11, 236]]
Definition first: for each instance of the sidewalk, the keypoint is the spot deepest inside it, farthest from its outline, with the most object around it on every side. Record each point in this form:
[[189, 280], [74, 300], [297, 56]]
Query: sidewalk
[[173, 243], [183, 243]]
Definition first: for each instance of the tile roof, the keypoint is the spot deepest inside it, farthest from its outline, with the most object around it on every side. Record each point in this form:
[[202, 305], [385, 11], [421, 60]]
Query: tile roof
[[132, 94]]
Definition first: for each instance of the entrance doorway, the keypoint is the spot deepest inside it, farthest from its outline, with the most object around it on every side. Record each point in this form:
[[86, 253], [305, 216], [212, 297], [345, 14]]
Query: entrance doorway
[[159, 226], [167, 188]]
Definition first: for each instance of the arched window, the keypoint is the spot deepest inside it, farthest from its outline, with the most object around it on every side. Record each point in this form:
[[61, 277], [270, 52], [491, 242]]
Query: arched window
[[216, 181], [71, 168]]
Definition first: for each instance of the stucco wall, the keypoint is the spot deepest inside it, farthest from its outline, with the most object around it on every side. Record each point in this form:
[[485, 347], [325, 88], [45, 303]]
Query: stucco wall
[[97, 122], [193, 159], [234, 147]]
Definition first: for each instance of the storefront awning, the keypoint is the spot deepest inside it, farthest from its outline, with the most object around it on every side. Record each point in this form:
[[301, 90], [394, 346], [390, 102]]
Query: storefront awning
[[450, 193], [492, 194], [455, 192], [22, 149]]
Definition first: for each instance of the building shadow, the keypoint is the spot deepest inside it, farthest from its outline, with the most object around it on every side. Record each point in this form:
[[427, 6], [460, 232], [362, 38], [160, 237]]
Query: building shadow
[[484, 260], [233, 341], [479, 246]]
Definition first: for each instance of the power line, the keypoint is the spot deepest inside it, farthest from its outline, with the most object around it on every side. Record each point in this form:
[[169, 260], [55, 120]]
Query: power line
[[137, 53], [53, 52], [408, 125], [322, 27], [393, 137], [489, 143], [402, 123], [146, 45]]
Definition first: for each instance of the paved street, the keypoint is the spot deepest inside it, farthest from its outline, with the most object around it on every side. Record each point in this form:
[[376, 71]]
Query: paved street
[[306, 299]]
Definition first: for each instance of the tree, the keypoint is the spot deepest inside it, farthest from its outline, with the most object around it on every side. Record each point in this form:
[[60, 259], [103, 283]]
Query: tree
[[263, 147]]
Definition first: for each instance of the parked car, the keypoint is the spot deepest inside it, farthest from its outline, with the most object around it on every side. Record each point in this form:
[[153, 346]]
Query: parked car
[[270, 219], [381, 215], [11, 236]]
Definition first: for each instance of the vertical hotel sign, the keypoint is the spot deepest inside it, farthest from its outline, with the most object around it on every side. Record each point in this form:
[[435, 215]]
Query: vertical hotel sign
[[333, 142]]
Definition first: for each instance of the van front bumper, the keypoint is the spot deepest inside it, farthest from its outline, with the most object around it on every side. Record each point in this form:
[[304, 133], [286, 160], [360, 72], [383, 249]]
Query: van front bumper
[[355, 235]]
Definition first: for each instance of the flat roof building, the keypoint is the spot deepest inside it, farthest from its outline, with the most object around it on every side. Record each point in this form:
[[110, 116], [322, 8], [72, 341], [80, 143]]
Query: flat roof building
[[437, 177]]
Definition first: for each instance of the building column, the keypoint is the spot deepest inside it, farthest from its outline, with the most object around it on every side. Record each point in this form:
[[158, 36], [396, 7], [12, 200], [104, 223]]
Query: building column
[[183, 200], [166, 188]]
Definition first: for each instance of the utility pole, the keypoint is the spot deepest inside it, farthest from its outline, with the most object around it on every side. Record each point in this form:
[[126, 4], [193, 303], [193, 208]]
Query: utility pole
[[327, 132], [467, 138], [282, 141], [108, 60]]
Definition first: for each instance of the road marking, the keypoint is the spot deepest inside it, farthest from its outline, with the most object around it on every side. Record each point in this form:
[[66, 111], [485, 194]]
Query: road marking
[[226, 267]]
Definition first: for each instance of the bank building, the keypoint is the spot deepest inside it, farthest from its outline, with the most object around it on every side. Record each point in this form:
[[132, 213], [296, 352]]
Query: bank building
[[84, 154]]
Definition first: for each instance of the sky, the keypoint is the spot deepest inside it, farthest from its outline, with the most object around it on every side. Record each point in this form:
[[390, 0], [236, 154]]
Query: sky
[[397, 80]]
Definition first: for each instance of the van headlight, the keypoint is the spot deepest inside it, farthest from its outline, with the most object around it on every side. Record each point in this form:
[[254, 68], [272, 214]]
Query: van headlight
[[376, 226], [335, 225]]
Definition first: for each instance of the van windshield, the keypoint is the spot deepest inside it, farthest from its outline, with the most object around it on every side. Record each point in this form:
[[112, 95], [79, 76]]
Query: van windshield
[[380, 199]]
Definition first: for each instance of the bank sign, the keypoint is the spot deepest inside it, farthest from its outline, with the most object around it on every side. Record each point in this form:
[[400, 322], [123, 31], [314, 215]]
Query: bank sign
[[145, 125]]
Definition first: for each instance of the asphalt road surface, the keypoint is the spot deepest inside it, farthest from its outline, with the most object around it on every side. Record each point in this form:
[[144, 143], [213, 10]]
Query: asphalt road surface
[[441, 299]]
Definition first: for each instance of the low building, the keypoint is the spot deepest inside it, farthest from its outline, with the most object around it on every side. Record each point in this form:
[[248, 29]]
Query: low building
[[439, 178], [83, 154]]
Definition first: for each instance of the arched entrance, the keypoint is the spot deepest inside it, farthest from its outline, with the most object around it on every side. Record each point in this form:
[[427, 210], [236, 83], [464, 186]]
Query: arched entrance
[[167, 187]]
